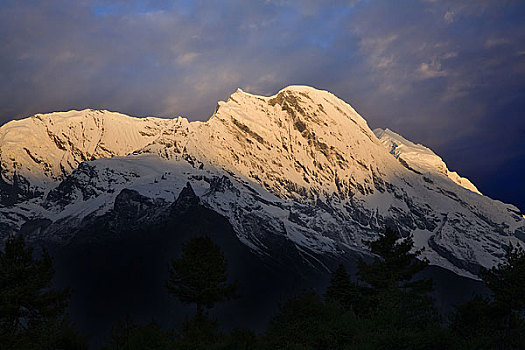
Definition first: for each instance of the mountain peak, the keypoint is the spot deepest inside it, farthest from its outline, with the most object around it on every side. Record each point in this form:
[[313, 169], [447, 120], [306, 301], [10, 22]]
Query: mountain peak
[[298, 101], [419, 158], [300, 134], [301, 164], [46, 147]]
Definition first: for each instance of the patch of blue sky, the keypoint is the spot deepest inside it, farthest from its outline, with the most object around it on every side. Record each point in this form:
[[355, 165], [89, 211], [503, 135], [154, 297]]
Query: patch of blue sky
[[105, 8]]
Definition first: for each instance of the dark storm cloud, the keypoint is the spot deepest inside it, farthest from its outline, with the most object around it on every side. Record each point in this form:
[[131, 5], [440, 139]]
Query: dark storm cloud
[[447, 74]]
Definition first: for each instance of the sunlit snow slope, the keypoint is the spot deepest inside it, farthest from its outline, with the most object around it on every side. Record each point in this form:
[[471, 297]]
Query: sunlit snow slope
[[301, 165], [419, 158]]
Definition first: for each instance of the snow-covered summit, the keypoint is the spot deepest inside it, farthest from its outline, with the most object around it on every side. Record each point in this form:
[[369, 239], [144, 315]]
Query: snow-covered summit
[[419, 158], [301, 137], [45, 148], [301, 166]]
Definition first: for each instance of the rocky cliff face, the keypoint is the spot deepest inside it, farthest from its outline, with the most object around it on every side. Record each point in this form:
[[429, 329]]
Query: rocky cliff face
[[300, 167]]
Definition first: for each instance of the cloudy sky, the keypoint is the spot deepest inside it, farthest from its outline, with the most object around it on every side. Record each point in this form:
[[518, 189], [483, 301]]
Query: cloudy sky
[[446, 73]]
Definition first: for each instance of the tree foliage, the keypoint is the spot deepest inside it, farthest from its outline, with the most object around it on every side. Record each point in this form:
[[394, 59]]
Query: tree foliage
[[199, 275], [126, 335], [395, 264], [305, 322], [32, 313], [342, 290], [474, 324], [386, 307], [392, 293], [507, 284]]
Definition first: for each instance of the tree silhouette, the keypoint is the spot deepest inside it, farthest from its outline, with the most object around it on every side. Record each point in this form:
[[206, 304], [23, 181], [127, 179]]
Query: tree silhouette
[[199, 275], [391, 293], [507, 283], [126, 335], [342, 290], [305, 322], [395, 264], [32, 313], [474, 324]]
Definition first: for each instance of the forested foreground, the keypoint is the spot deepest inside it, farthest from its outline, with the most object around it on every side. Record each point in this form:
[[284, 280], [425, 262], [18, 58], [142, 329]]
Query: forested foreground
[[383, 307]]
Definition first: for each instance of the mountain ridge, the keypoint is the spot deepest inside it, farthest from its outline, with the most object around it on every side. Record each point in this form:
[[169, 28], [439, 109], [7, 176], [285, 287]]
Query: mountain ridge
[[301, 164], [419, 158]]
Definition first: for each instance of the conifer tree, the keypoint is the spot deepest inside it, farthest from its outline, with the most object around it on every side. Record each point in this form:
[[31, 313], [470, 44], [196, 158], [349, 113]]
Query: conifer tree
[[392, 293], [507, 283], [395, 264], [32, 313], [305, 322], [199, 275], [342, 290]]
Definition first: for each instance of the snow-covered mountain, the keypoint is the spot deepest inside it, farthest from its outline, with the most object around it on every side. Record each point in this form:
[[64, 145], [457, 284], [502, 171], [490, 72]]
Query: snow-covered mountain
[[300, 167], [44, 149], [419, 158]]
